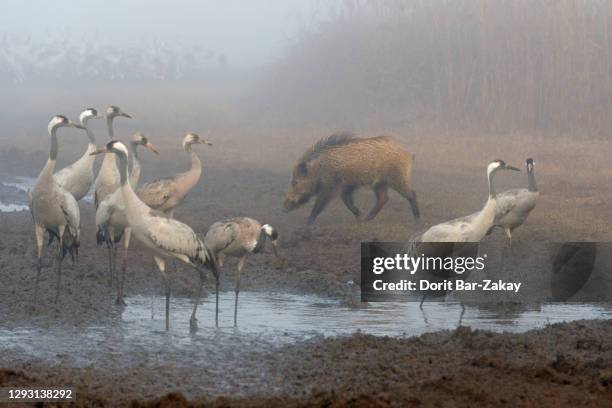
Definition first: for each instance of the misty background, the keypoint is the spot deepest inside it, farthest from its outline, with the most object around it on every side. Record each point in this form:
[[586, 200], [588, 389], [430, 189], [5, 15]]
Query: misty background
[[477, 67]]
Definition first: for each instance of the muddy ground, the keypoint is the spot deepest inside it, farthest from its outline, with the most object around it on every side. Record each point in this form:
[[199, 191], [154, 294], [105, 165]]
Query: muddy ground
[[247, 174]]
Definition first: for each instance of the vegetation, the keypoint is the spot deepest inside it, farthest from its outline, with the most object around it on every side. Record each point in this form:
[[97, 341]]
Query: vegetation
[[473, 65]]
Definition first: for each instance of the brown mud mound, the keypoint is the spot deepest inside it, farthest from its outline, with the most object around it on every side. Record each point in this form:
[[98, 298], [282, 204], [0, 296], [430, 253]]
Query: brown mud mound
[[561, 365]]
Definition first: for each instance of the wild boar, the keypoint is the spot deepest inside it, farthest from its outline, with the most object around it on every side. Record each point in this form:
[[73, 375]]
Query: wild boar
[[345, 162]]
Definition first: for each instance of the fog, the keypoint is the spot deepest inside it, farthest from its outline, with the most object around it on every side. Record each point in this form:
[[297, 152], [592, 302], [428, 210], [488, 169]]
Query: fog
[[502, 68], [245, 32]]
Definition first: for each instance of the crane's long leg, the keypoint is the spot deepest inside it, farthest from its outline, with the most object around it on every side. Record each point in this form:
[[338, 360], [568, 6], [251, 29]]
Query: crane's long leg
[[217, 299], [240, 266], [60, 257], [40, 238], [193, 322], [161, 265], [115, 276], [423, 310], [462, 313], [126, 244], [110, 263], [509, 235]]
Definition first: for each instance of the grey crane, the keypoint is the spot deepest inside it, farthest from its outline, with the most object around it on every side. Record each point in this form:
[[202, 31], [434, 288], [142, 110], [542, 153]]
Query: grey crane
[[165, 194], [468, 229], [111, 222], [107, 180], [471, 228], [514, 206], [53, 208], [238, 237], [79, 176], [166, 237]]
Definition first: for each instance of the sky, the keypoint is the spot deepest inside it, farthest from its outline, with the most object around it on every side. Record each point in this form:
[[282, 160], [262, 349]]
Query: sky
[[247, 32]]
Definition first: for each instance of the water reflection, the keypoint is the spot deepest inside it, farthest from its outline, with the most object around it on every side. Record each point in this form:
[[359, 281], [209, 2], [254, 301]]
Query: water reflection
[[268, 320]]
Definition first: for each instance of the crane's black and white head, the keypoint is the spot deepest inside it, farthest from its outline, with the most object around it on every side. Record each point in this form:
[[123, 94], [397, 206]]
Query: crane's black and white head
[[271, 232], [497, 165], [61, 121], [87, 114], [114, 146], [529, 165], [192, 138], [114, 111], [141, 140]]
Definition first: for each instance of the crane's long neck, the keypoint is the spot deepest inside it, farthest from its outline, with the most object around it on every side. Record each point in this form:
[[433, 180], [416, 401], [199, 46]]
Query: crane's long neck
[[47, 171], [261, 242], [193, 175], [109, 163], [109, 125], [131, 200], [484, 219], [90, 134], [491, 177], [531, 182], [135, 174]]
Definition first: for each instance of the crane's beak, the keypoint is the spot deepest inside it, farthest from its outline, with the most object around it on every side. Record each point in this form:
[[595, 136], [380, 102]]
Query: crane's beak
[[75, 125], [512, 168], [125, 115], [275, 247], [151, 148], [205, 142], [100, 116], [99, 151]]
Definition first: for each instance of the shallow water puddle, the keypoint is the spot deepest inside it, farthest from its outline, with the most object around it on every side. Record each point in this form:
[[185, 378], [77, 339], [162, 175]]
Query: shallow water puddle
[[266, 321], [14, 193], [297, 317]]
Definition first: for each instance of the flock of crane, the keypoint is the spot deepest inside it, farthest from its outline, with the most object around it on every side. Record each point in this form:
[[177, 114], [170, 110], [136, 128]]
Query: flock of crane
[[147, 213]]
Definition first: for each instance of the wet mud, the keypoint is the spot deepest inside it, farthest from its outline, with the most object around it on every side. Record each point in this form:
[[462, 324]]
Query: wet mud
[[564, 364]]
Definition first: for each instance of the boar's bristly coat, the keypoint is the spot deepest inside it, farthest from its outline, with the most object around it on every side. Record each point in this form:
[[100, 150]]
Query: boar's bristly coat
[[345, 162]]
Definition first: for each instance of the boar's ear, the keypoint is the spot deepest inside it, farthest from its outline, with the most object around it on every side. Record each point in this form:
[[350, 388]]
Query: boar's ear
[[302, 169]]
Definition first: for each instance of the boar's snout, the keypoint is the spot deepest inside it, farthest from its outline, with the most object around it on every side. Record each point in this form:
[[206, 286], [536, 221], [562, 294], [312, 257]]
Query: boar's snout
[[289, 205]]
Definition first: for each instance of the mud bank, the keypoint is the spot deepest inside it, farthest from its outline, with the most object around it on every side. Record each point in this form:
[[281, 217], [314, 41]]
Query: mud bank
[[561, 365]]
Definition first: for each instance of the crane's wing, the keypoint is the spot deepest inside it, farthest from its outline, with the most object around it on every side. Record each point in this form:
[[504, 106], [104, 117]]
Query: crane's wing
[[70, 208], [30, 205], [104, 213], [178, 238], [506, 202], [96, 199], [220, 235], [61, 176], [156, 193], [456, 230]]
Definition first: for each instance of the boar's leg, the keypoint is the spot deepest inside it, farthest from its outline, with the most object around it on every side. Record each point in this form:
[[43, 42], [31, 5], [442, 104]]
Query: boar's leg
[[409, 194], [347, 198], [381, 199], [322, 200]]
